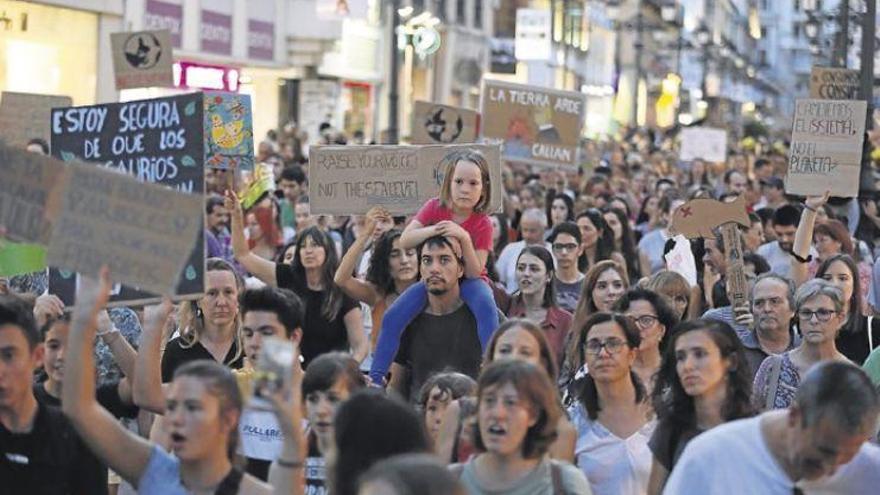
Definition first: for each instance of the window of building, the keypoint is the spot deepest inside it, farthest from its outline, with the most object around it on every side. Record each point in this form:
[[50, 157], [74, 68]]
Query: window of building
[[478, 14], [460, 11]]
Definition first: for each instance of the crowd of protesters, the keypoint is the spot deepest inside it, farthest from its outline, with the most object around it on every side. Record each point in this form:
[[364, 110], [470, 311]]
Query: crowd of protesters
[[545, 348]]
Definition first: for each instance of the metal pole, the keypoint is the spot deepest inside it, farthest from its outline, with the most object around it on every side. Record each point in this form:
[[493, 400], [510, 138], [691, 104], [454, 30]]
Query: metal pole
[[393, 93], [869, 24], [639, 47]]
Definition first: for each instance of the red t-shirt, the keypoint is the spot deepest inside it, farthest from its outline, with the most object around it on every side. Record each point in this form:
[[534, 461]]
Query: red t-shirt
[[477, 225]]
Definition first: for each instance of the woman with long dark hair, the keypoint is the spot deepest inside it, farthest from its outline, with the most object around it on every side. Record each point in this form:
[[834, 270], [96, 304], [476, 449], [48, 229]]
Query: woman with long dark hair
[[333, 320], [391, 270], [536, 298], [597, 239], [703, 381], [612, 414], [560, 208], [653, 318], [624, 242]]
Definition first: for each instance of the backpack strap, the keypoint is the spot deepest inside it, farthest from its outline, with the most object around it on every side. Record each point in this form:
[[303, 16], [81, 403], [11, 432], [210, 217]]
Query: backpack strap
[[556, 478], [775, 371]]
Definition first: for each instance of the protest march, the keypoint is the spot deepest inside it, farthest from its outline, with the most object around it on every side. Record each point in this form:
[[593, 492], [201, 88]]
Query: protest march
[[486, 298]]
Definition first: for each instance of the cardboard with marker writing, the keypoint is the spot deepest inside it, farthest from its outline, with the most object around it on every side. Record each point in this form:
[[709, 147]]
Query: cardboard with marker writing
[[156, 141], [538, 126], [24, 116], [829, 83], [143, 232], [826, 147], [433, 123], [27, 184], [346, 180], [142, 59]]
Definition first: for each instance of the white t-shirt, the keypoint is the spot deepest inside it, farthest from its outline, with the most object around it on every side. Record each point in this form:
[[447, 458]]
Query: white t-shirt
[[612, 465], [779, 260], [734, 459], [261, 437]]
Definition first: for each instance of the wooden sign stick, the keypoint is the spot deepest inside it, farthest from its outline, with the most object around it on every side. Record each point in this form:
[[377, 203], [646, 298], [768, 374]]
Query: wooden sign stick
[[737, 287]]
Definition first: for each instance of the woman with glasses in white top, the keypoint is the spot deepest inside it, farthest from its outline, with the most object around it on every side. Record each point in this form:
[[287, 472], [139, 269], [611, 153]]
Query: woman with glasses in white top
[[653, 317], [612, 415], [820, 313]]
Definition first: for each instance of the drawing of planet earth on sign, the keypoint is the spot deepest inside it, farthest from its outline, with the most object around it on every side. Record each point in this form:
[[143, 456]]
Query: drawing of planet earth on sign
[[142, 50], [444, 125]]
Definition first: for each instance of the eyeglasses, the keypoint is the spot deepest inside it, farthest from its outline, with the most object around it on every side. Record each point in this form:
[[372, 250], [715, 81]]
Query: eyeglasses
[[644, 321], [570, 246], [613, 346], [821, 314], [772, 302]]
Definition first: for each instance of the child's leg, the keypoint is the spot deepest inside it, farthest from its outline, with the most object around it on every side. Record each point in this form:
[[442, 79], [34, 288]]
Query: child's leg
[[397, 317], [477, 294]]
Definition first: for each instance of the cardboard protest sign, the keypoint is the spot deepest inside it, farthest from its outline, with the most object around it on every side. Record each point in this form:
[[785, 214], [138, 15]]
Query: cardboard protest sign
[[346, 180], [828, 83], [156, 141], [142, 59], [443, 124], [539, 126], [229, 131], [27, 181], [697, 217], [705, 143], [826, 147], [24, 116], [142, 232]]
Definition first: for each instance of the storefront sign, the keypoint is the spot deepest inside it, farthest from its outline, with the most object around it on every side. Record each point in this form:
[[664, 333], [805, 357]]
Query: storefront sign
[[24, 116], [346, 180], [533, 34], [165, 15], [142, 59], [536, 125], [202, 76], [826, 147], [157, 141], [216, 32], [834, 84], [442, 124], [261, 40]]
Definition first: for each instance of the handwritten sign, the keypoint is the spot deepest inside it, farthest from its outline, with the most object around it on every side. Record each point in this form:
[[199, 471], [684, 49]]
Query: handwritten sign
[[539, 126], [828, 83], [157, 141], [346, 180], [826, 147], [229, 131], [443, 124], [143, 232], [705, 143], [27, 181], [142, 59], [24, 116]]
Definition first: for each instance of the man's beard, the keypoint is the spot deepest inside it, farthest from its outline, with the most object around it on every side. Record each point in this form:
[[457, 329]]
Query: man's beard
[[438, 291]]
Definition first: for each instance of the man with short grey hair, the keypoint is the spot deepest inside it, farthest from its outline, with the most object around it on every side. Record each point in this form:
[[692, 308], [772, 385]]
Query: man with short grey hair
[[532, 226], [819, 445], [772, 304]]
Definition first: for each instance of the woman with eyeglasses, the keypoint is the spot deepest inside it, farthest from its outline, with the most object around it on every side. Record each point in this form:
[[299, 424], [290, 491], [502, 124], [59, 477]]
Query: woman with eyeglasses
[[820, 313], [612, 414], [703, 381], [653, 317], [536, 298]]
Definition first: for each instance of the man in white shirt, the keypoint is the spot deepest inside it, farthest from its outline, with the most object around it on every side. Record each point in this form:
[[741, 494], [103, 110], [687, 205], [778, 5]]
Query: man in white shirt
[[532, 226], [778, 252], [817, 446]]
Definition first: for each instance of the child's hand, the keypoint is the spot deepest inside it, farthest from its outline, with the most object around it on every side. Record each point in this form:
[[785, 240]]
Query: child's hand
[[451, 229]]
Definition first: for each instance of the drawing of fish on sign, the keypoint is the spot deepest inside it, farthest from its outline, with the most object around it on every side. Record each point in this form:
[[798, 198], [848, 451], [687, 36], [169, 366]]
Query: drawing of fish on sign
[[229, 134]]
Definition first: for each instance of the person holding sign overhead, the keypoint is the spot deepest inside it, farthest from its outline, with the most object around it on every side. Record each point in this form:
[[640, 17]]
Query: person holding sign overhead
[[459, 212]]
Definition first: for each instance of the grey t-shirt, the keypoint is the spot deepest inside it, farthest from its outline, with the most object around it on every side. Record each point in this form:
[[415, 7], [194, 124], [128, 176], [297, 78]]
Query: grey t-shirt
[[538, 482], [567, 295]]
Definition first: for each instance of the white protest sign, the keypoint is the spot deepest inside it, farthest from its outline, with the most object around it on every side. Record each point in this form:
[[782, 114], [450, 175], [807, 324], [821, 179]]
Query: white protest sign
[[826, 147], [705, 143], [533, 34]]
